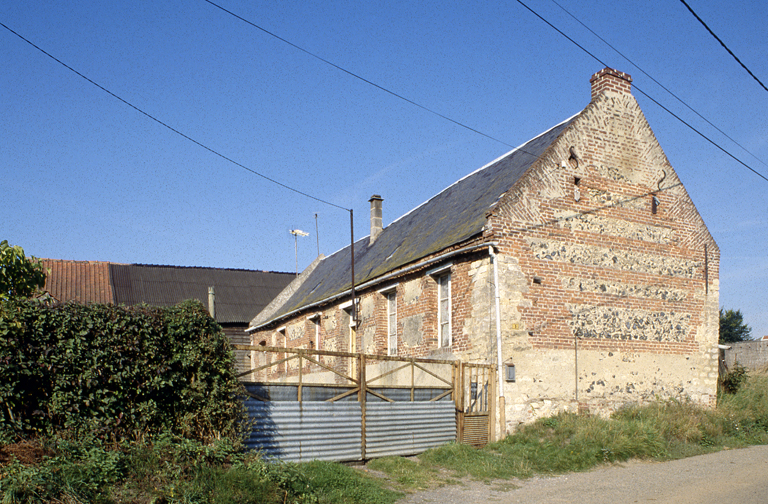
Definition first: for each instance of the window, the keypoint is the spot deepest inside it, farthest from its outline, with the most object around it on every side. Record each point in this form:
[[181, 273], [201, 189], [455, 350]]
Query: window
[[444, 310], [391, 322], [315, 319], [442, 276], [348, 310]]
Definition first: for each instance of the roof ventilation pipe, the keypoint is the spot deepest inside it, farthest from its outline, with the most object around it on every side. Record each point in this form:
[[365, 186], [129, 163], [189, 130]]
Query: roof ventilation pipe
[[376, 220]]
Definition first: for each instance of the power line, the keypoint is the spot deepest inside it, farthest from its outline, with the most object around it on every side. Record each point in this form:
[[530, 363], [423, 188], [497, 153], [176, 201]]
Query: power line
[[172, 128], [724, 46], [356, 76], [659, 83], [646, 94]]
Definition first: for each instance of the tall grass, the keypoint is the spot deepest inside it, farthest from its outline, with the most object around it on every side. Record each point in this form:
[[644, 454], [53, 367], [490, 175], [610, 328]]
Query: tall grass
[[173, 469], [571, 442]]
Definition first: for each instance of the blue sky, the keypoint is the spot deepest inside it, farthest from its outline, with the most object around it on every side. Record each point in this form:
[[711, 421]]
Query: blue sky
[[86, 177]]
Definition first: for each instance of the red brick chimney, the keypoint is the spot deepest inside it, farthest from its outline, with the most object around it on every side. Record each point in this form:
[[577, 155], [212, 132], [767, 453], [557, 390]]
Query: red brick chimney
[[610, 80]]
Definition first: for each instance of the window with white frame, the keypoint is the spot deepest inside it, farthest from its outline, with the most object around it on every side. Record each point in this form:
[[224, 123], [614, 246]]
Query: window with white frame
[[391, 322], [444, 309]]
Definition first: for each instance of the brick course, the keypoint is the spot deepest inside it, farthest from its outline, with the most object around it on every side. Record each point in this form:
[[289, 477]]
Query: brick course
[[604, 301]]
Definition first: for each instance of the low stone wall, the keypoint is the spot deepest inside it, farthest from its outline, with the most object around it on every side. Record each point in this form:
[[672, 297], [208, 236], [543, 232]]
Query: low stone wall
[[753, 355]]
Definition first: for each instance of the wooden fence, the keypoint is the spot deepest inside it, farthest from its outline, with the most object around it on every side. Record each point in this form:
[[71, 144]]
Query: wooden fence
[[309, 377]]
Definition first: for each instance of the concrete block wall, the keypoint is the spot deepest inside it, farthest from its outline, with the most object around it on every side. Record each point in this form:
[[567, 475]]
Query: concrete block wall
[[753, 355]]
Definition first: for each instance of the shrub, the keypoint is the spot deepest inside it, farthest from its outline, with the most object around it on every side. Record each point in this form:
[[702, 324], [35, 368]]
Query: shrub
[[732, 381], [116, 371]]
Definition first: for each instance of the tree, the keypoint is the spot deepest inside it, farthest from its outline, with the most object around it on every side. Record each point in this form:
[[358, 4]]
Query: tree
[[732, 327], [20, 276]]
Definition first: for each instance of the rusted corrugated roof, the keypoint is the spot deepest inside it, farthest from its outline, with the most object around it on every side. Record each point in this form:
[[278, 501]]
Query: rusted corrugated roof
[[240, 294], [451, 217], [81, 281]]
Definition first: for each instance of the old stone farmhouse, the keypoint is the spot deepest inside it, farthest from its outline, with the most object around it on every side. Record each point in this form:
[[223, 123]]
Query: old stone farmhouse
[[577, 261]]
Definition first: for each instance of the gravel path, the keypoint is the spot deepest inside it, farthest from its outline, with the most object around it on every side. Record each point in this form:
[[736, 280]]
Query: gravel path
[[729, 476]]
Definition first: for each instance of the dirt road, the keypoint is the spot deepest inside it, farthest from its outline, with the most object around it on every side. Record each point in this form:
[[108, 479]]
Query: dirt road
[[730, 476]]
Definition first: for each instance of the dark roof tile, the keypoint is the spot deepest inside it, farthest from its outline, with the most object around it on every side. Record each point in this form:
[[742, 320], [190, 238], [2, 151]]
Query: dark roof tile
[[453, 216]]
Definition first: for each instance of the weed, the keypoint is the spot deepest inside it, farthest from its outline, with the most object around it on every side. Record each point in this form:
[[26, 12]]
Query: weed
[[732, 381], [339, 484], [406, 473], [74, 466]]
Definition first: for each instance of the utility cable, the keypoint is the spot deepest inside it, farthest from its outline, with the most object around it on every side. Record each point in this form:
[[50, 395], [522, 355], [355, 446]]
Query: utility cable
[[658, 83], [724, 46], [200, 144], [645, 94], [356, 76]]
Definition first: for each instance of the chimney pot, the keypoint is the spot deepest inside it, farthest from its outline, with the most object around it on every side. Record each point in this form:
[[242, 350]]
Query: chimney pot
[[609, 80], [376, 217]]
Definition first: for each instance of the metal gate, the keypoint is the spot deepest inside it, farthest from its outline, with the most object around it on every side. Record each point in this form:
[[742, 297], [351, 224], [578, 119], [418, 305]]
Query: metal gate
[[306, 405]]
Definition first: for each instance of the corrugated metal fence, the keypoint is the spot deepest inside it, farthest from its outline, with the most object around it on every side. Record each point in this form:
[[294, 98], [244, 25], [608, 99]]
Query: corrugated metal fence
[[409, 406], [301, 431]]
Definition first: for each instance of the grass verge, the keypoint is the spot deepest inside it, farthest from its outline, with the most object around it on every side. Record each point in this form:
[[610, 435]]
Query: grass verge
[[171, 469], [570, 442]]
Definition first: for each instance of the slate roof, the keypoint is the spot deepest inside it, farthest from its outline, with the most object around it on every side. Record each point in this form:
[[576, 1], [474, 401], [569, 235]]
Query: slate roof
[[240, 294], [453, 216]]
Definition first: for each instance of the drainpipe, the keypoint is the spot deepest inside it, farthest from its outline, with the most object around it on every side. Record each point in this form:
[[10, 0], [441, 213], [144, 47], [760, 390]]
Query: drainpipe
[[500, 369]]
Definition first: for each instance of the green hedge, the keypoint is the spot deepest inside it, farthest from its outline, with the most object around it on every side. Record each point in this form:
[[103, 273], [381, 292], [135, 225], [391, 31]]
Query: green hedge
[[119, 372]]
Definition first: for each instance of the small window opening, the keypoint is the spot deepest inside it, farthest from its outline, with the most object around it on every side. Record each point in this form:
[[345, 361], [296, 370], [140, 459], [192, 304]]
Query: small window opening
[[537, 280], [509, 372], [576, 180], [654, 204]]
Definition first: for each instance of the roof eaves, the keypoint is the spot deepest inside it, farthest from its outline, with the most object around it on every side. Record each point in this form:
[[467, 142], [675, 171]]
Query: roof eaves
[[254, 326]]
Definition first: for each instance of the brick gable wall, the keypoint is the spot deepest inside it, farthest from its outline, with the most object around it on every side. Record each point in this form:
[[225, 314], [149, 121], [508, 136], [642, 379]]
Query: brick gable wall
[[624, 306], [603, 301]]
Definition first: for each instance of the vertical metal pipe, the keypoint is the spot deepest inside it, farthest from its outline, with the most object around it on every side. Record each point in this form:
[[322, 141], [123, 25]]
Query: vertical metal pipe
[[492, 408], [499, 364], [353, 324], [212, 302], [352, 266]]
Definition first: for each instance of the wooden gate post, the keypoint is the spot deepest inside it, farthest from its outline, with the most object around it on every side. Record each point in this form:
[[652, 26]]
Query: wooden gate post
[[492, 407], [301, 374], [459, 399]]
